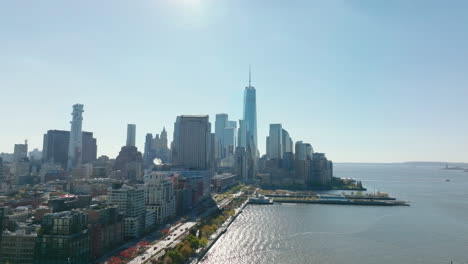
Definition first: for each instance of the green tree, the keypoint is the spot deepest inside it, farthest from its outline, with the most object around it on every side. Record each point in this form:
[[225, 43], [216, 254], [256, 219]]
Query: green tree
[[193, 241], [186, 251], [203, 242], [176, 256]]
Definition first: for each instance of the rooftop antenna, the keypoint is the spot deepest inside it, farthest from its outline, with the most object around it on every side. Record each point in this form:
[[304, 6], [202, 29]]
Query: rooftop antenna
[[249, 76]]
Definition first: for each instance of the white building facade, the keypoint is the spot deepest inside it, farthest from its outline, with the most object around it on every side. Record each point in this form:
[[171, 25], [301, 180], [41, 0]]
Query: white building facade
[[159, 195]]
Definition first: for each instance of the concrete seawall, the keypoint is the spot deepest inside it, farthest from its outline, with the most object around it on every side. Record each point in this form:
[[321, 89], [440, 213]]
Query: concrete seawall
[[221, 231]]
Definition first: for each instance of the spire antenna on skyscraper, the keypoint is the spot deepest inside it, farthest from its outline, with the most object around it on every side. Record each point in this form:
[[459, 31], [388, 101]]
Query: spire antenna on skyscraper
[[250, 74]]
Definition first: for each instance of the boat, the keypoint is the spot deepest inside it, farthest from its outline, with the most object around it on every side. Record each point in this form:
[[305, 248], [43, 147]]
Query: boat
[[447, 180], [260, 199]]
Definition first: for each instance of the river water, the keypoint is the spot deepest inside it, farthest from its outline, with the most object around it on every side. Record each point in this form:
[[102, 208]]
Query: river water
[[434, 229]]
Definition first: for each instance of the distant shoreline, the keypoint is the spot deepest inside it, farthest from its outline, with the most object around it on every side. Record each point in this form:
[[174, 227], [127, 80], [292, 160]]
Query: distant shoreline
[[414, 163]]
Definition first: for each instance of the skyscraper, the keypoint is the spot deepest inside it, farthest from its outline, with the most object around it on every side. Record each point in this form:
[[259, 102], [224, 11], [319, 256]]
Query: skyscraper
[[303, 151], [163, 139], [229, 139], [250, 113], [321, 170], [192, 145], [275, 142], [75, 144], [89, 147], [55, 147], [220, 124], [241, 164], [242, 134], [287, 142], [2, 179], [131, 134], [56, 143], [160, 148], [20, 151], [149, 153]]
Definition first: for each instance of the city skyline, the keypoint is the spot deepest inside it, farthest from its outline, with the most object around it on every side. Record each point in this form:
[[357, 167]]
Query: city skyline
[[360, 87]]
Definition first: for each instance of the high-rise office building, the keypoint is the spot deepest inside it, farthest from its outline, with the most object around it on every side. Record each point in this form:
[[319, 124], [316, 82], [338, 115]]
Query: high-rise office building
[[89, 152], [250, 113], [287, 142], [193, 142], [220, 124], [248, 151], [309, 151], [241, 164], [21, 165], [303, 151], [160, 147], [56, 143], [163, 139], [303, 162], [242, 134], [2, 175], [229, 140], [20, 151], [149, 152], [55, 147], [75, 144], [275, 142], [321, 170], [131, 134]]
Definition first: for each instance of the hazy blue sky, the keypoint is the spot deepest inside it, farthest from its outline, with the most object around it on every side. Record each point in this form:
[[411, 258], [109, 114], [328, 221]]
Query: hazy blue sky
[[363, 81]]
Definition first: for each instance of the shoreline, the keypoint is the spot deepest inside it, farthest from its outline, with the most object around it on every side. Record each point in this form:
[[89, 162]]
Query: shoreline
[[222, 230]]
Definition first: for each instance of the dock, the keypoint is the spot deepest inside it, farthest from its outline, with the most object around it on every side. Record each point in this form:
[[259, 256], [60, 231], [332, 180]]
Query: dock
[[344, 202]]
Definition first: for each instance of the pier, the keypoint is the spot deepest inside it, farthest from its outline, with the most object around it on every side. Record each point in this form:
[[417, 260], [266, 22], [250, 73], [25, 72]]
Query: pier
[[344, 201]]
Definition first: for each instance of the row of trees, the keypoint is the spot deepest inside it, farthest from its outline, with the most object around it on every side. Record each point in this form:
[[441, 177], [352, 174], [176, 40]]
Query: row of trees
[[184, 250]]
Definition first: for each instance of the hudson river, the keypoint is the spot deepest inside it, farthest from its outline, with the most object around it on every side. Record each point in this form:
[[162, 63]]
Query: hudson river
[[434, 229]]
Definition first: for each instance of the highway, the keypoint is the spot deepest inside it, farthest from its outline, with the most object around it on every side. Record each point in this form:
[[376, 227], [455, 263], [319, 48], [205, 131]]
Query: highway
[[175, 236]]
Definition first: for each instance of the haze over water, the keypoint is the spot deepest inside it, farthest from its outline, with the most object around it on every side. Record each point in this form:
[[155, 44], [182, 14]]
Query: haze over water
[[434, 229]]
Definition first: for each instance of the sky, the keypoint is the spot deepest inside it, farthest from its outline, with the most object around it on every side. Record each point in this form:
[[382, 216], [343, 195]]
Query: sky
[[361, 80]]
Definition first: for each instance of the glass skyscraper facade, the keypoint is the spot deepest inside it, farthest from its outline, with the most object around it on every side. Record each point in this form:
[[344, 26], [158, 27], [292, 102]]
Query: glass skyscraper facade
[[250, 114]]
